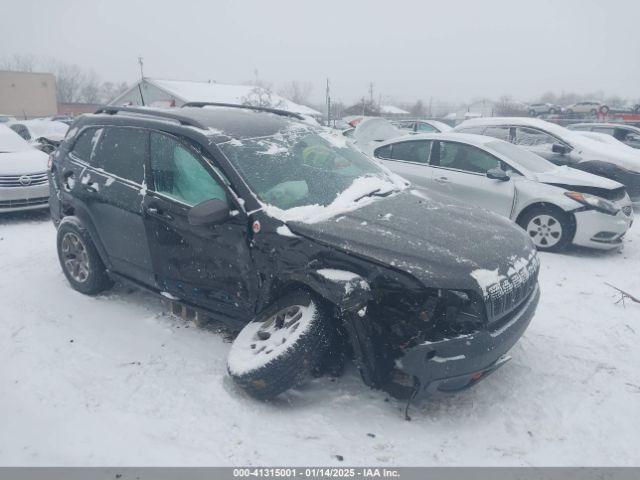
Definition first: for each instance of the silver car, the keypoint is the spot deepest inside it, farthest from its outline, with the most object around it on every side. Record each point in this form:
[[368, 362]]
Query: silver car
[[627, 134], [23, 174], [557, 206]]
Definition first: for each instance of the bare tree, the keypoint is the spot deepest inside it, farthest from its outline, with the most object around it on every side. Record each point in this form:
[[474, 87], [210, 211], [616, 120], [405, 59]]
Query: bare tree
[[19, 63], [261, 97], [296, 91], [69, 81]]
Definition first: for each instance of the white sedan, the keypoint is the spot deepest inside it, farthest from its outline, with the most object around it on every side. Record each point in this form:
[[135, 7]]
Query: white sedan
[[23, 174], [556, 205]]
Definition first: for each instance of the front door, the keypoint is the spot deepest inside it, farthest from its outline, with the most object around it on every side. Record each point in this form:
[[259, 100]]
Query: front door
[[207, 265], [459, 170]]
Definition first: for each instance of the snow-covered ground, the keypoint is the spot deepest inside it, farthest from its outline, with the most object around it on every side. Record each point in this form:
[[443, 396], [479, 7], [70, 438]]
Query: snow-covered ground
[[116, 380]]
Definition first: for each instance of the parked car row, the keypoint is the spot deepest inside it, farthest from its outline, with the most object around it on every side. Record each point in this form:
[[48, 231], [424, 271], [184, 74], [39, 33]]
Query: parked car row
[[591, 108]]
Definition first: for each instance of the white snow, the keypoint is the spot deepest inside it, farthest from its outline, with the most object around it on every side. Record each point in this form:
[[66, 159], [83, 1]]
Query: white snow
[[285, 231], [116, 380], [338, 275], [243, 359]]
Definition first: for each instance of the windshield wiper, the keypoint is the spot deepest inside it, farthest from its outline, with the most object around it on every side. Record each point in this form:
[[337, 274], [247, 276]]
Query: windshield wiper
[[375, 193]]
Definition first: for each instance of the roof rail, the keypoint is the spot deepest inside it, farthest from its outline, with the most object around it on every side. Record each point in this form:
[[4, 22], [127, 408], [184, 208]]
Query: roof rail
[[277, 111], [154, 113]]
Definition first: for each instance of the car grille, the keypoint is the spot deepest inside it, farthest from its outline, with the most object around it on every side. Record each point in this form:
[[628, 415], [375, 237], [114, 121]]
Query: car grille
[[506, 295], [627, 210], [23, 180], [24, 202]]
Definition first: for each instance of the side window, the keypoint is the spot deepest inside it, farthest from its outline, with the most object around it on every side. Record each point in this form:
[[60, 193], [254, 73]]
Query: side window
[[531, 137], [607, 130], [383, 152], [467, 158], [501, 133], [412, 151], [178, 174], [425, 128], [21, 130], [122, 152], [85, 144]]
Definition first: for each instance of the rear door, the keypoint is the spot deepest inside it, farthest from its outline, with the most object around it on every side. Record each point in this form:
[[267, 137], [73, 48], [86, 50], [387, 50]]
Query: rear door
[[541, 143], [408, 159], [207, 265], [459, 170], [113, 189]]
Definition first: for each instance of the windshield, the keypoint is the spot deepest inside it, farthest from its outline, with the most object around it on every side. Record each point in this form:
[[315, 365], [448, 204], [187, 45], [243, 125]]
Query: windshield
[[525, 158], [10, 141], [304, 166]]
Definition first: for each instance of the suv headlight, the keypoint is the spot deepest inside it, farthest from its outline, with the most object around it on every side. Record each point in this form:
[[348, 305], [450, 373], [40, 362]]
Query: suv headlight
[[594, 202]]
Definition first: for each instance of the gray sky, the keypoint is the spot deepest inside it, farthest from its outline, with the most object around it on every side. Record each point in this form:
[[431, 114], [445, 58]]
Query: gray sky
[[455, 50]]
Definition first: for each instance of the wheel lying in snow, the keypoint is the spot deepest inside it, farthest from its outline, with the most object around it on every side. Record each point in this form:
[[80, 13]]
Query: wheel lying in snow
[[281, 347], [550, 229]]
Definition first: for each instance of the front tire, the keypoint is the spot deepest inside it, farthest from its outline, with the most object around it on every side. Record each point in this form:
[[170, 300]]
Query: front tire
[[550, 229], [282, 347], [80, 260]]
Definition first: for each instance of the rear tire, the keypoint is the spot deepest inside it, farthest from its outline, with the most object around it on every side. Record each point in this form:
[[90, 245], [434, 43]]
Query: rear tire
[[282, 347], [549, 228], [80, 260]]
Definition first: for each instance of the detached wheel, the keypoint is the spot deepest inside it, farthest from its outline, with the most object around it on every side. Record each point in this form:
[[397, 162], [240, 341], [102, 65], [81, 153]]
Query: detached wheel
[[550, 229], [281, 347], [80, 261]]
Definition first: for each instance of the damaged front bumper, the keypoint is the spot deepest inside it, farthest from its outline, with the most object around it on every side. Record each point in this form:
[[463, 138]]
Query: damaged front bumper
[[457, 363]]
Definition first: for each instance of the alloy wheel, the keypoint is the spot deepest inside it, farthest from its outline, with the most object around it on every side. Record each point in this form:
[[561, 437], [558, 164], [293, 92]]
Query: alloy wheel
[[544, 230], [75, 257]]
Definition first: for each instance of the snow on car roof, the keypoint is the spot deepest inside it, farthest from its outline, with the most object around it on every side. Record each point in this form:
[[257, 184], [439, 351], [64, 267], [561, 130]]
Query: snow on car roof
[[470, 138], [43, 127], [524, 121]]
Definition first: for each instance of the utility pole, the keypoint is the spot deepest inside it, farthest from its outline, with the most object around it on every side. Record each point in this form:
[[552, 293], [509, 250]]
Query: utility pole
[[141, 79], [328, 105], [371, 93]]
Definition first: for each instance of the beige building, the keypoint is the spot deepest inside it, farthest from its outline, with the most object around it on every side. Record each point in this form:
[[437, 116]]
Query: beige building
[[27, 94]]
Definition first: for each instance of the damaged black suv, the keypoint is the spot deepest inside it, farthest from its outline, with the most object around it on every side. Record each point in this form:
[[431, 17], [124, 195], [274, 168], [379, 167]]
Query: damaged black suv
[[282, 230]]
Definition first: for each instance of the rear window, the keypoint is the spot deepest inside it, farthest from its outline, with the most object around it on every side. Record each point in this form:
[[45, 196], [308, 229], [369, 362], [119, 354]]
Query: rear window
[[122, 152], [85, 144]]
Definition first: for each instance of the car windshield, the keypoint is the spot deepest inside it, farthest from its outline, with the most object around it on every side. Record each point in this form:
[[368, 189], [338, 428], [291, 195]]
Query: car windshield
[[10, 141], [523, 157], [304, 166]]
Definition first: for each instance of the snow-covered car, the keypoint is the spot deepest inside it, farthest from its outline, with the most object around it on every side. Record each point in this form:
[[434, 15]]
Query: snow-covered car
[[7, 118], [536, 109], [45, 135], [556, 206], [23, 174], [562, 146], [586, 108], [422, 126], [627, 134], [285, 232]]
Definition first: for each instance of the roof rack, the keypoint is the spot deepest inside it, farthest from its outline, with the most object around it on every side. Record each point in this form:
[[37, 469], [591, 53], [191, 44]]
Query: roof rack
[[277, 111], [154, 113]]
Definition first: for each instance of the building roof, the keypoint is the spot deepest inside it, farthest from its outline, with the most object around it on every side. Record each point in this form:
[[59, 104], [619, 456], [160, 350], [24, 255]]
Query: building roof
[[193, 91], [391, 110]]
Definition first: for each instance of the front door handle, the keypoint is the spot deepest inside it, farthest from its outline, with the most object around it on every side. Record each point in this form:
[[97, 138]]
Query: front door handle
[[156, 212], [442, 180]]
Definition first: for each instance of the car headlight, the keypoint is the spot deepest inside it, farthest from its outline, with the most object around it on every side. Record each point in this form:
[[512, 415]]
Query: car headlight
[[594, 202]]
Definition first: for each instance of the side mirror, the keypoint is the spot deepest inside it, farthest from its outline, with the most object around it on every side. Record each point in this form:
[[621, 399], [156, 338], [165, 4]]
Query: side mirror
[[208, 212], [559, 148], [498, 174]]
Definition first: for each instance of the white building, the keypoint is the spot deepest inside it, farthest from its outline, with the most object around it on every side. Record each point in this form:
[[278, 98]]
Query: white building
[[154, 92]]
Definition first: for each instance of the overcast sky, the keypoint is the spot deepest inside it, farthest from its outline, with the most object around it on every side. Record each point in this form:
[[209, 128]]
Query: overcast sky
[[455, 50]]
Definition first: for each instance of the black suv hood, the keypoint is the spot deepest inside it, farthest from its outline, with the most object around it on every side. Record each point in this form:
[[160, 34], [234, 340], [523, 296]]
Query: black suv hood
[[438, 241]]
